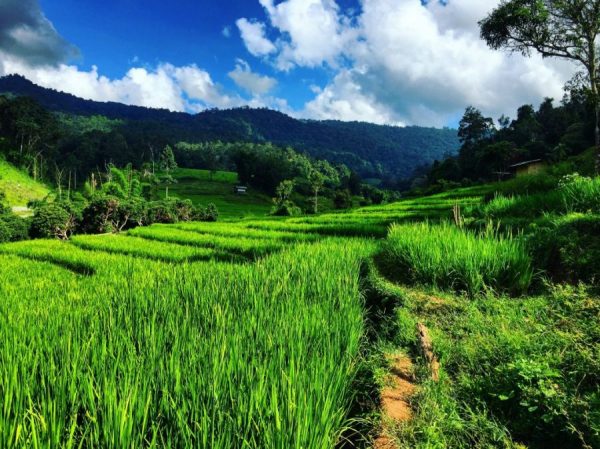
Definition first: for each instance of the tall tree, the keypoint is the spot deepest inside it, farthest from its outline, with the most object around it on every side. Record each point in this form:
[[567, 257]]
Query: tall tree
[[566, 29], [167, 160]]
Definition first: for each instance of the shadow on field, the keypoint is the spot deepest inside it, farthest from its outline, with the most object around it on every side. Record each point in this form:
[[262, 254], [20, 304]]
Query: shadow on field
[[380, 328], [75, 267]]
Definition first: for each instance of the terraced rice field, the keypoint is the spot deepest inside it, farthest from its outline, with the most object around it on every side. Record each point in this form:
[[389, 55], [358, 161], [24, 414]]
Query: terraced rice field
[[242, 334]]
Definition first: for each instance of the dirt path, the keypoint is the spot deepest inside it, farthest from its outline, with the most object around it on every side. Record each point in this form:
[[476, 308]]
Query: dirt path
[[395, 399]]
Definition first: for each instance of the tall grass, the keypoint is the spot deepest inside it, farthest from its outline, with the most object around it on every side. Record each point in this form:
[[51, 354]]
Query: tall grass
[[206, 355], [134, 246], [448, 257], [248, 247]]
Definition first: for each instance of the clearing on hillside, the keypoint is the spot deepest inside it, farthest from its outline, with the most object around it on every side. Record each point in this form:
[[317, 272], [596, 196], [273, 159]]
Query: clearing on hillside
[[203, 187], [18, 187]]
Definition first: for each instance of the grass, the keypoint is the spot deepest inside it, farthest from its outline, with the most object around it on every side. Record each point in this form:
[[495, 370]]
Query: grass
[[19, 187], [512, 371], [159, 337], [202, 188], [206, 356], [119, 244], [448, 257], [248, 247]]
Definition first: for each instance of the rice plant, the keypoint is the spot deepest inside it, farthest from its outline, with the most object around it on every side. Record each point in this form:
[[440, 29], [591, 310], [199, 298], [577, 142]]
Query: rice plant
[[448, 257], [134, 246], [203, 355]]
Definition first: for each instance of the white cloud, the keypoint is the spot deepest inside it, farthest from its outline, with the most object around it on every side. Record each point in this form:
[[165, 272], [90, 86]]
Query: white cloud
[[187, 88], [344, 99], [399, 61], [253, 35], [226, 31], [314, 31], [251, 82]]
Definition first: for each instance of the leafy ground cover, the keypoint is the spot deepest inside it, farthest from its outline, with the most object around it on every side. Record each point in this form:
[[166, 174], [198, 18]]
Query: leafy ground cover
[[18, 187], [204, 187], [266, 332]]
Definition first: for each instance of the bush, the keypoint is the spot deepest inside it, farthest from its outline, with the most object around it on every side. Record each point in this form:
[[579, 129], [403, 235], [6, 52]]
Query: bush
[[448, 257], [210, 213], [580, 194], [53, 220], [568, 248], [161, 212], [286, 209], [5, 235], [110, 214], [17, 227], [342, 199]]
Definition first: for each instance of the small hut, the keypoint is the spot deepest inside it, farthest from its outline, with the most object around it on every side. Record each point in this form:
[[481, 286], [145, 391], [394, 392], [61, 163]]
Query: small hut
[[532, 167], [240, 190]]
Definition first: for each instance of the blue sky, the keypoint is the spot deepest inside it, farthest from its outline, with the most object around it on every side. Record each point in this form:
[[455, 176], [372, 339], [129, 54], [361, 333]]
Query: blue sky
[[397, 62], [116, 35]]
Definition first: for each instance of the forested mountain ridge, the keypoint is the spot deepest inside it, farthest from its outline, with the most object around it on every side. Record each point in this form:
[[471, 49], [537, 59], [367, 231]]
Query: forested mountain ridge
[[372, 150]]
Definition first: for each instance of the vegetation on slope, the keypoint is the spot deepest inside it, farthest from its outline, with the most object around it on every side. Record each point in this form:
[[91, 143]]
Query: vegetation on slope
[[18, 187], [371, 150]]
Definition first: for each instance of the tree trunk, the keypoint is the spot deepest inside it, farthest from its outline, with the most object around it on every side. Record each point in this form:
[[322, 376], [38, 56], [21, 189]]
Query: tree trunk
[[597, 135], [316, 210]]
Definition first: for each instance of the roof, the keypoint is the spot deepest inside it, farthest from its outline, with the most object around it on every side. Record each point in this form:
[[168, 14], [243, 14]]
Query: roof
[[521, 164]]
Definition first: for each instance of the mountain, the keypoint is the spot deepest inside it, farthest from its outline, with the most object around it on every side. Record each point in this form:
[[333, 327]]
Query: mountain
[[372, 150]]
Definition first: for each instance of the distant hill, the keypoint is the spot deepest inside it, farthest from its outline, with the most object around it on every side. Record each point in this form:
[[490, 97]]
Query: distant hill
[[372, 150]]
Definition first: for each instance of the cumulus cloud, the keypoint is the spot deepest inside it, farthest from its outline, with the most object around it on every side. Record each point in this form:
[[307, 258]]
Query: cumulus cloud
[[407, 61], [345, 99], [187, 88], [253, 83], [30, 46], [314, 31], [253, 35], [26, 34]]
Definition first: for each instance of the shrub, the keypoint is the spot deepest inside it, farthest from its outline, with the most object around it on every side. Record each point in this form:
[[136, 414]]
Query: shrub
[[53, 220], [342, 199], [568, 248], [5, 234], [448, 257], [210, 213], [580, 194], [161, 212], [110, 214], [286, 209], [17, 227]]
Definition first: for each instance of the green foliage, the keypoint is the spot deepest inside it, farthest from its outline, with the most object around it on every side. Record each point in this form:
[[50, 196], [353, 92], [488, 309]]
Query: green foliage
[[283, 206], [167, 160], [448, 257], [370, 150], [14, 228], [204, 355], [568, 247], [112, 214], [342, 199], [18, 187], [574, 194], [5, 234], [53, 220]]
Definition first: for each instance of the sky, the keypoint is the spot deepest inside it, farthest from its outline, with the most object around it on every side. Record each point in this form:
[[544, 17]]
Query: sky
[[397, 62]]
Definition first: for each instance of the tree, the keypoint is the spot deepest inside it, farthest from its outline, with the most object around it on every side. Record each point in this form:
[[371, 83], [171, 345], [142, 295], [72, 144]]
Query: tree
[[167, 163], [474, 127], [283, 206], [53, 220], [316, 180], [566, 29], [167, 160]]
